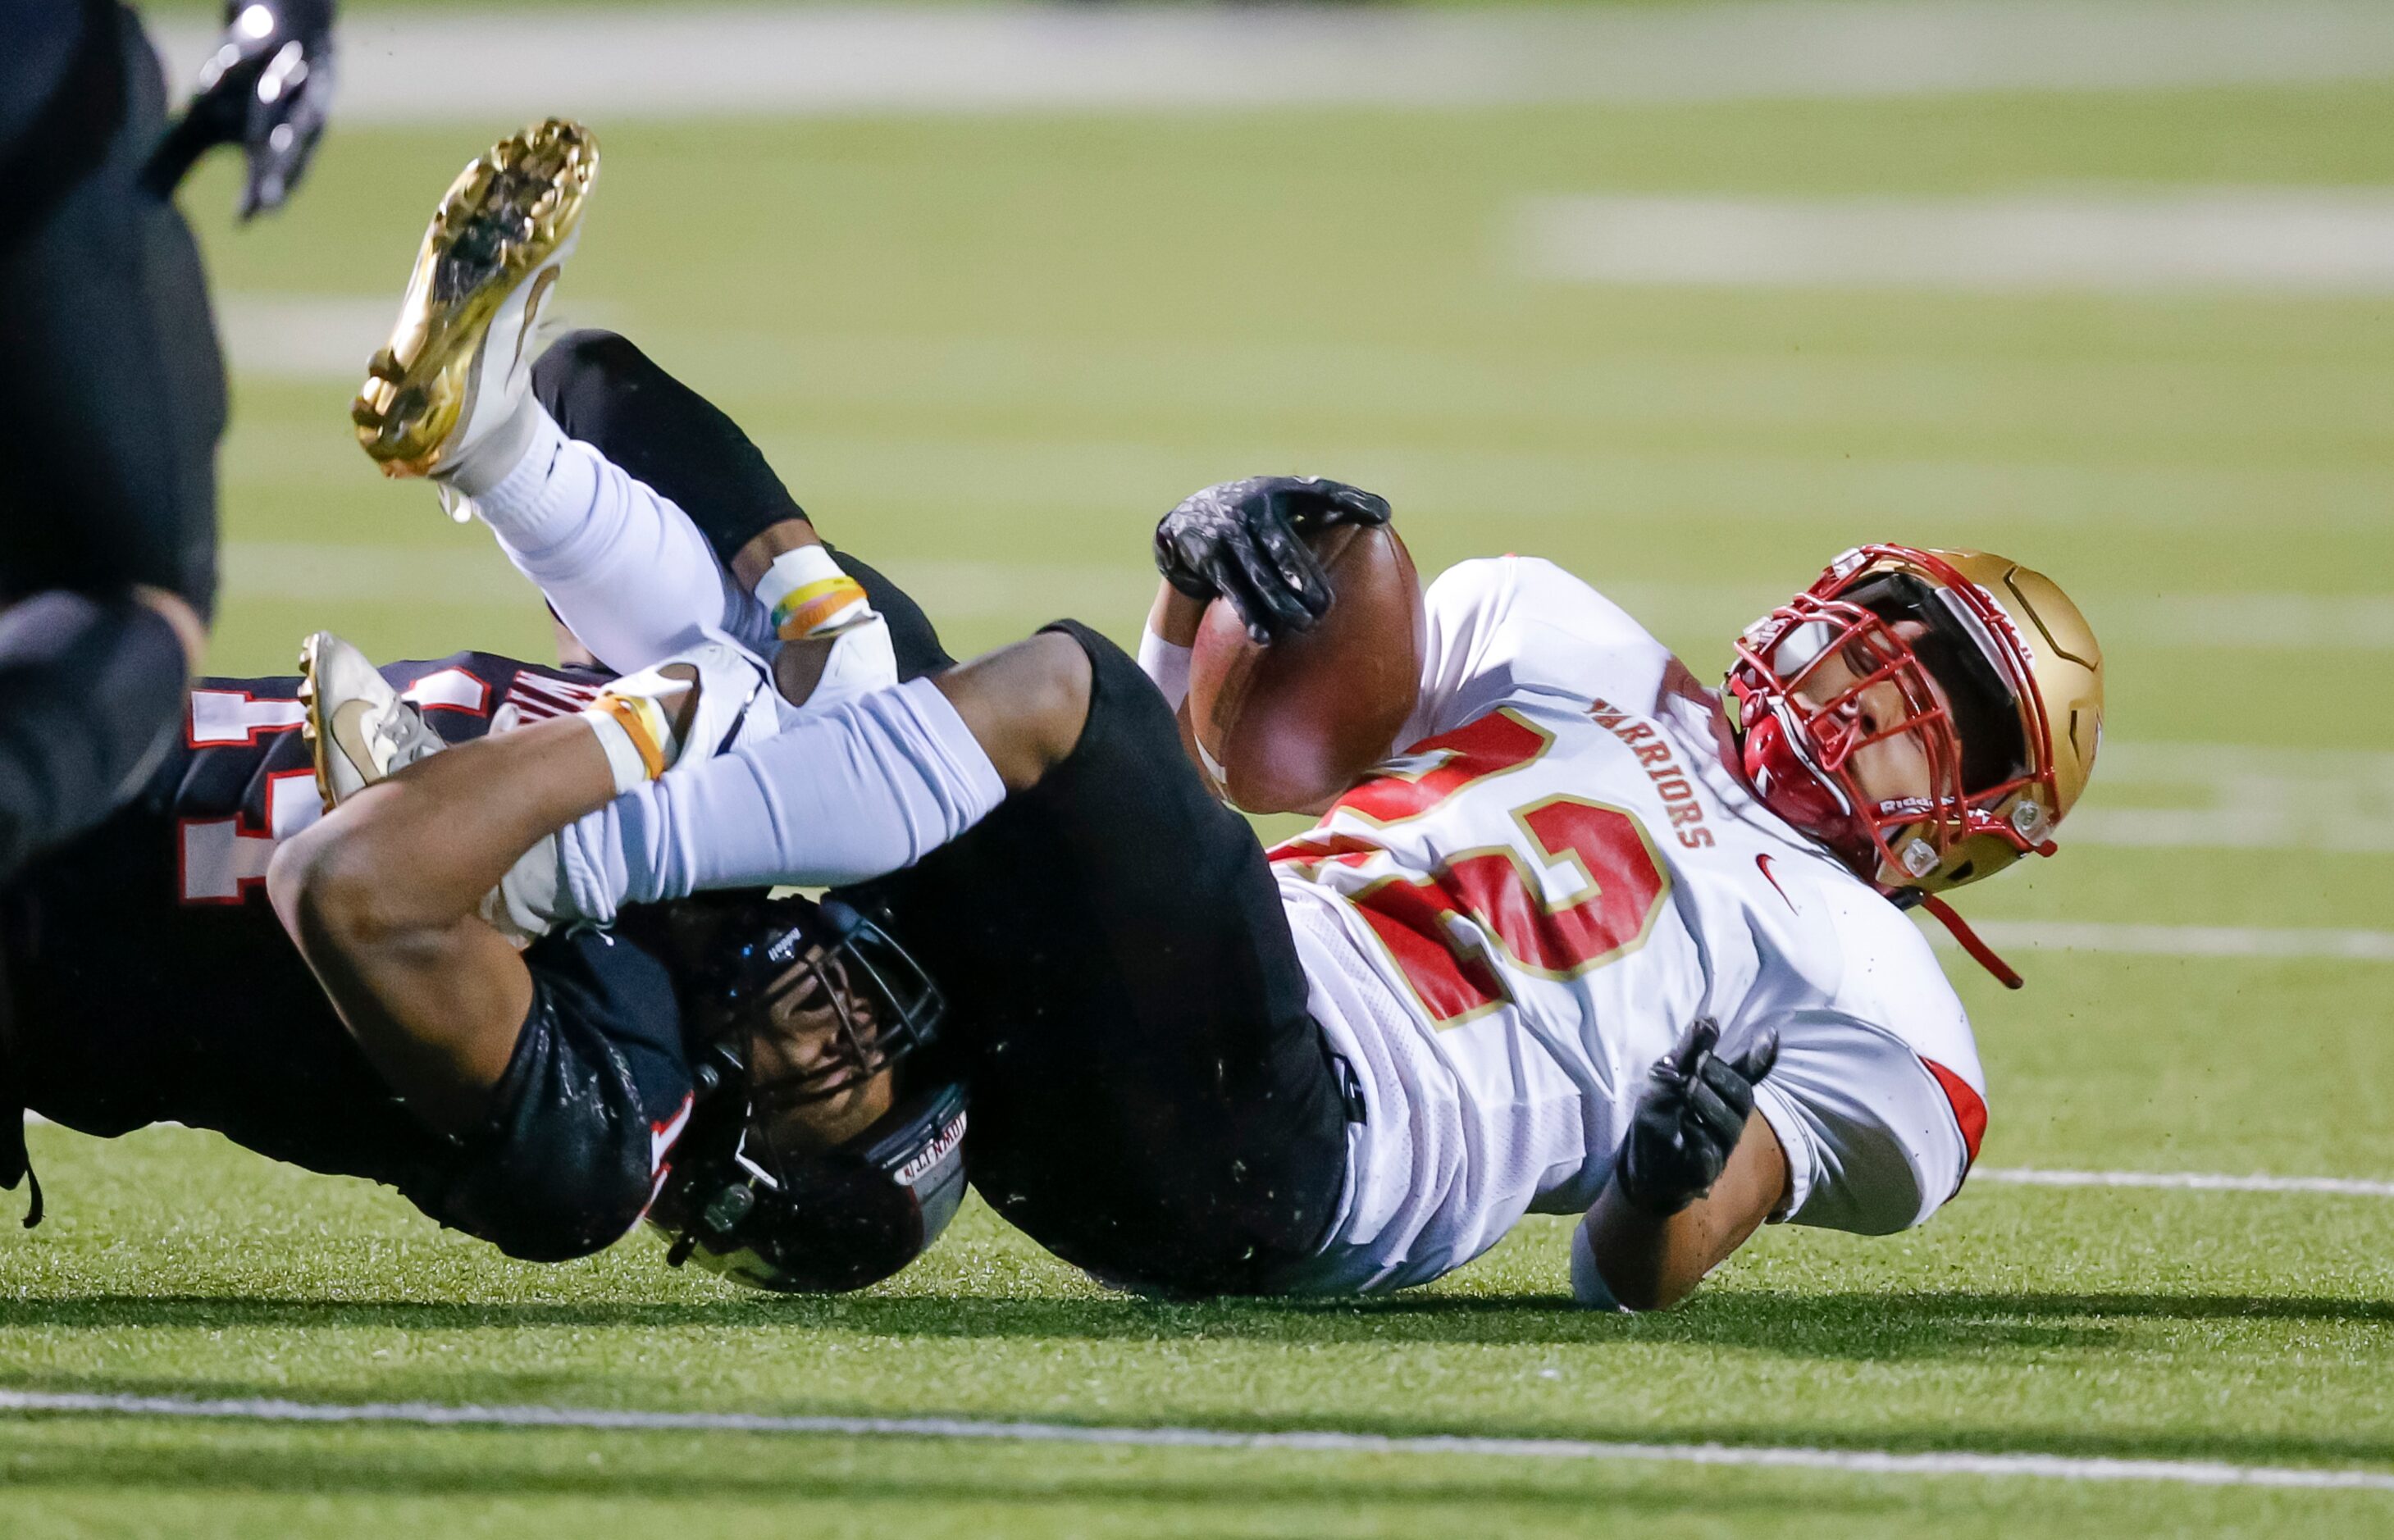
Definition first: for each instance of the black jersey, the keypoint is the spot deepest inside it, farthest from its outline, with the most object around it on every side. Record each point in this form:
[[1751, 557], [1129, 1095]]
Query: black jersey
[[149, 982], [1151, 1100]]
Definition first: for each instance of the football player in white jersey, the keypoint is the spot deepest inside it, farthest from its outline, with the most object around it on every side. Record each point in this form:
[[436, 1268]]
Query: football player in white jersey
[[1578, 850], [1592, 939]]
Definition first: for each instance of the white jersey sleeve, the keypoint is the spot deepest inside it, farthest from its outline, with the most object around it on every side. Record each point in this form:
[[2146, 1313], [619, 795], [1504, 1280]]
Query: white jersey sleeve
[[1503, 626], [1872, 1140], [1877, 1099]]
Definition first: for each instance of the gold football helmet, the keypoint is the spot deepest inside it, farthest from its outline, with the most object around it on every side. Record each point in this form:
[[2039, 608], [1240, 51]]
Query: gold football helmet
[[2002, 681]]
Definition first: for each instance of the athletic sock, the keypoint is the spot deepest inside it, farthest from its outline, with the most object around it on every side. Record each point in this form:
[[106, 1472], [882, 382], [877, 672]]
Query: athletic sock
[[623, 567], [502, 452], [541, 490]]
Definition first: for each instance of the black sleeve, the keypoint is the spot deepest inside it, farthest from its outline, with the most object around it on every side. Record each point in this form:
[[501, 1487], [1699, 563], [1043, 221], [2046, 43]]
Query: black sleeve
[[588, 1107]]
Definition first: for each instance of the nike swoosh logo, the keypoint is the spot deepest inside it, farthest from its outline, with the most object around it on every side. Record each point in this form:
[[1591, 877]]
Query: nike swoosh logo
[[353, 741], [1764, 862]]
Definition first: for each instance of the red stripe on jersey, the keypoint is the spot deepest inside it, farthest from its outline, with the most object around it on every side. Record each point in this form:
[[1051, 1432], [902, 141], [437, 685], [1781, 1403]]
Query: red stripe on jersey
[[1969, 1106], [534, 697], [1312, 847]]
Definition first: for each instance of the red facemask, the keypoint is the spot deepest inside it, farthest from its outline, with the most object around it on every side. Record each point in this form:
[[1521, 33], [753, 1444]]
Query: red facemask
[[1798, 753]]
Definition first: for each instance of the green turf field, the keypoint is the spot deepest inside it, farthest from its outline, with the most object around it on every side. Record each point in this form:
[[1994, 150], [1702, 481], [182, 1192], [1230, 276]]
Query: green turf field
[[986, 354]]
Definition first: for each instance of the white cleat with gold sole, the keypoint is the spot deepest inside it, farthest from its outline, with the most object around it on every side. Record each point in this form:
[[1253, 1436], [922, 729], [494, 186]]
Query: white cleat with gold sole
[[359, 728], [458, 363]]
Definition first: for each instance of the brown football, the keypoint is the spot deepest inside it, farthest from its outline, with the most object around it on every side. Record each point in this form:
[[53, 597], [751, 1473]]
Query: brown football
[[1285, 728]]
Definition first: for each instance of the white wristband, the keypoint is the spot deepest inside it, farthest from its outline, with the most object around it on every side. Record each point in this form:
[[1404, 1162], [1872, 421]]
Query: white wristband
[[624, 761], [808, 595], [1167, 664], [1587, 1283]]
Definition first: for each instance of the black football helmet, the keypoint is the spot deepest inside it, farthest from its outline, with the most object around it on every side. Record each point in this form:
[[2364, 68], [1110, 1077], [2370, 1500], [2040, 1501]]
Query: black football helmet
[[813, 1221]]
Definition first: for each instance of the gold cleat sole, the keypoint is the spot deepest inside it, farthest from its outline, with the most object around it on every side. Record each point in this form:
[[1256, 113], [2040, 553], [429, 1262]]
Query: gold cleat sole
[[506, 213]]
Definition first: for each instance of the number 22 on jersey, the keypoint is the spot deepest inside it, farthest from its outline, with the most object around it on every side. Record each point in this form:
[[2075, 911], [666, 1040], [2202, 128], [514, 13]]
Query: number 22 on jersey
[[1441, 928]]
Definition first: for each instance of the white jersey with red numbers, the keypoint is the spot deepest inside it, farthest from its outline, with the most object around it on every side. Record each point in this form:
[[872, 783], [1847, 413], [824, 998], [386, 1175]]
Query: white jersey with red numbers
[[1509, 923]]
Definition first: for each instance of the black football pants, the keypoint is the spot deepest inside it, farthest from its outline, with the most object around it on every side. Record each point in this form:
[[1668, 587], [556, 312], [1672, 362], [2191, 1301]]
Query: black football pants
[[112, 398]]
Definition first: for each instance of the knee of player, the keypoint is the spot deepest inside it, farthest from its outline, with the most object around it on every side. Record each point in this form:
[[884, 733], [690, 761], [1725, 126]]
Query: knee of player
[[330, 890]]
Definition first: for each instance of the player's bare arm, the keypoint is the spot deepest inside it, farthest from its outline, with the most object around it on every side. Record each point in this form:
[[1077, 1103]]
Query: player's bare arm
[[1698, 1173], [1652, 1263], [1025, 704], [805, 660], [383, 900], [390, 900]]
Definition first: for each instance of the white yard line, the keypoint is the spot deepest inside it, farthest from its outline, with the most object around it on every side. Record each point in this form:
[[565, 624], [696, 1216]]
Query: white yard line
[[2034, 1176], [2297, 241], [494, 68], [2201, 622], [1855, 1462], [303, 336], [2186, 941], [329, 336], [470, 571], [1723, 478], [2243, 621], [2239, 797], [2186, 1181]]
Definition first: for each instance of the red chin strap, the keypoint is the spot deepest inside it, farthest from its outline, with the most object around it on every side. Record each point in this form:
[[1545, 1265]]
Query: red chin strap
[[1981, 953]]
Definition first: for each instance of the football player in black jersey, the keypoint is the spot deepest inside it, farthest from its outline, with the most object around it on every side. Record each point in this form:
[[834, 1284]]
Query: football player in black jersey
[[1150, 1099], [146, 979], [112, 397]]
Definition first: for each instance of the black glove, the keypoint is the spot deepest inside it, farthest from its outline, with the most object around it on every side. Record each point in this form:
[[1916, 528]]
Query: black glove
[[1244, 541], [266, 88], [1689, 1120]]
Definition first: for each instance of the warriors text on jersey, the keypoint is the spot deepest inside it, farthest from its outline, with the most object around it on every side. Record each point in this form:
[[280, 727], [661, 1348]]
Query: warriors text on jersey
[[1505, 926]]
